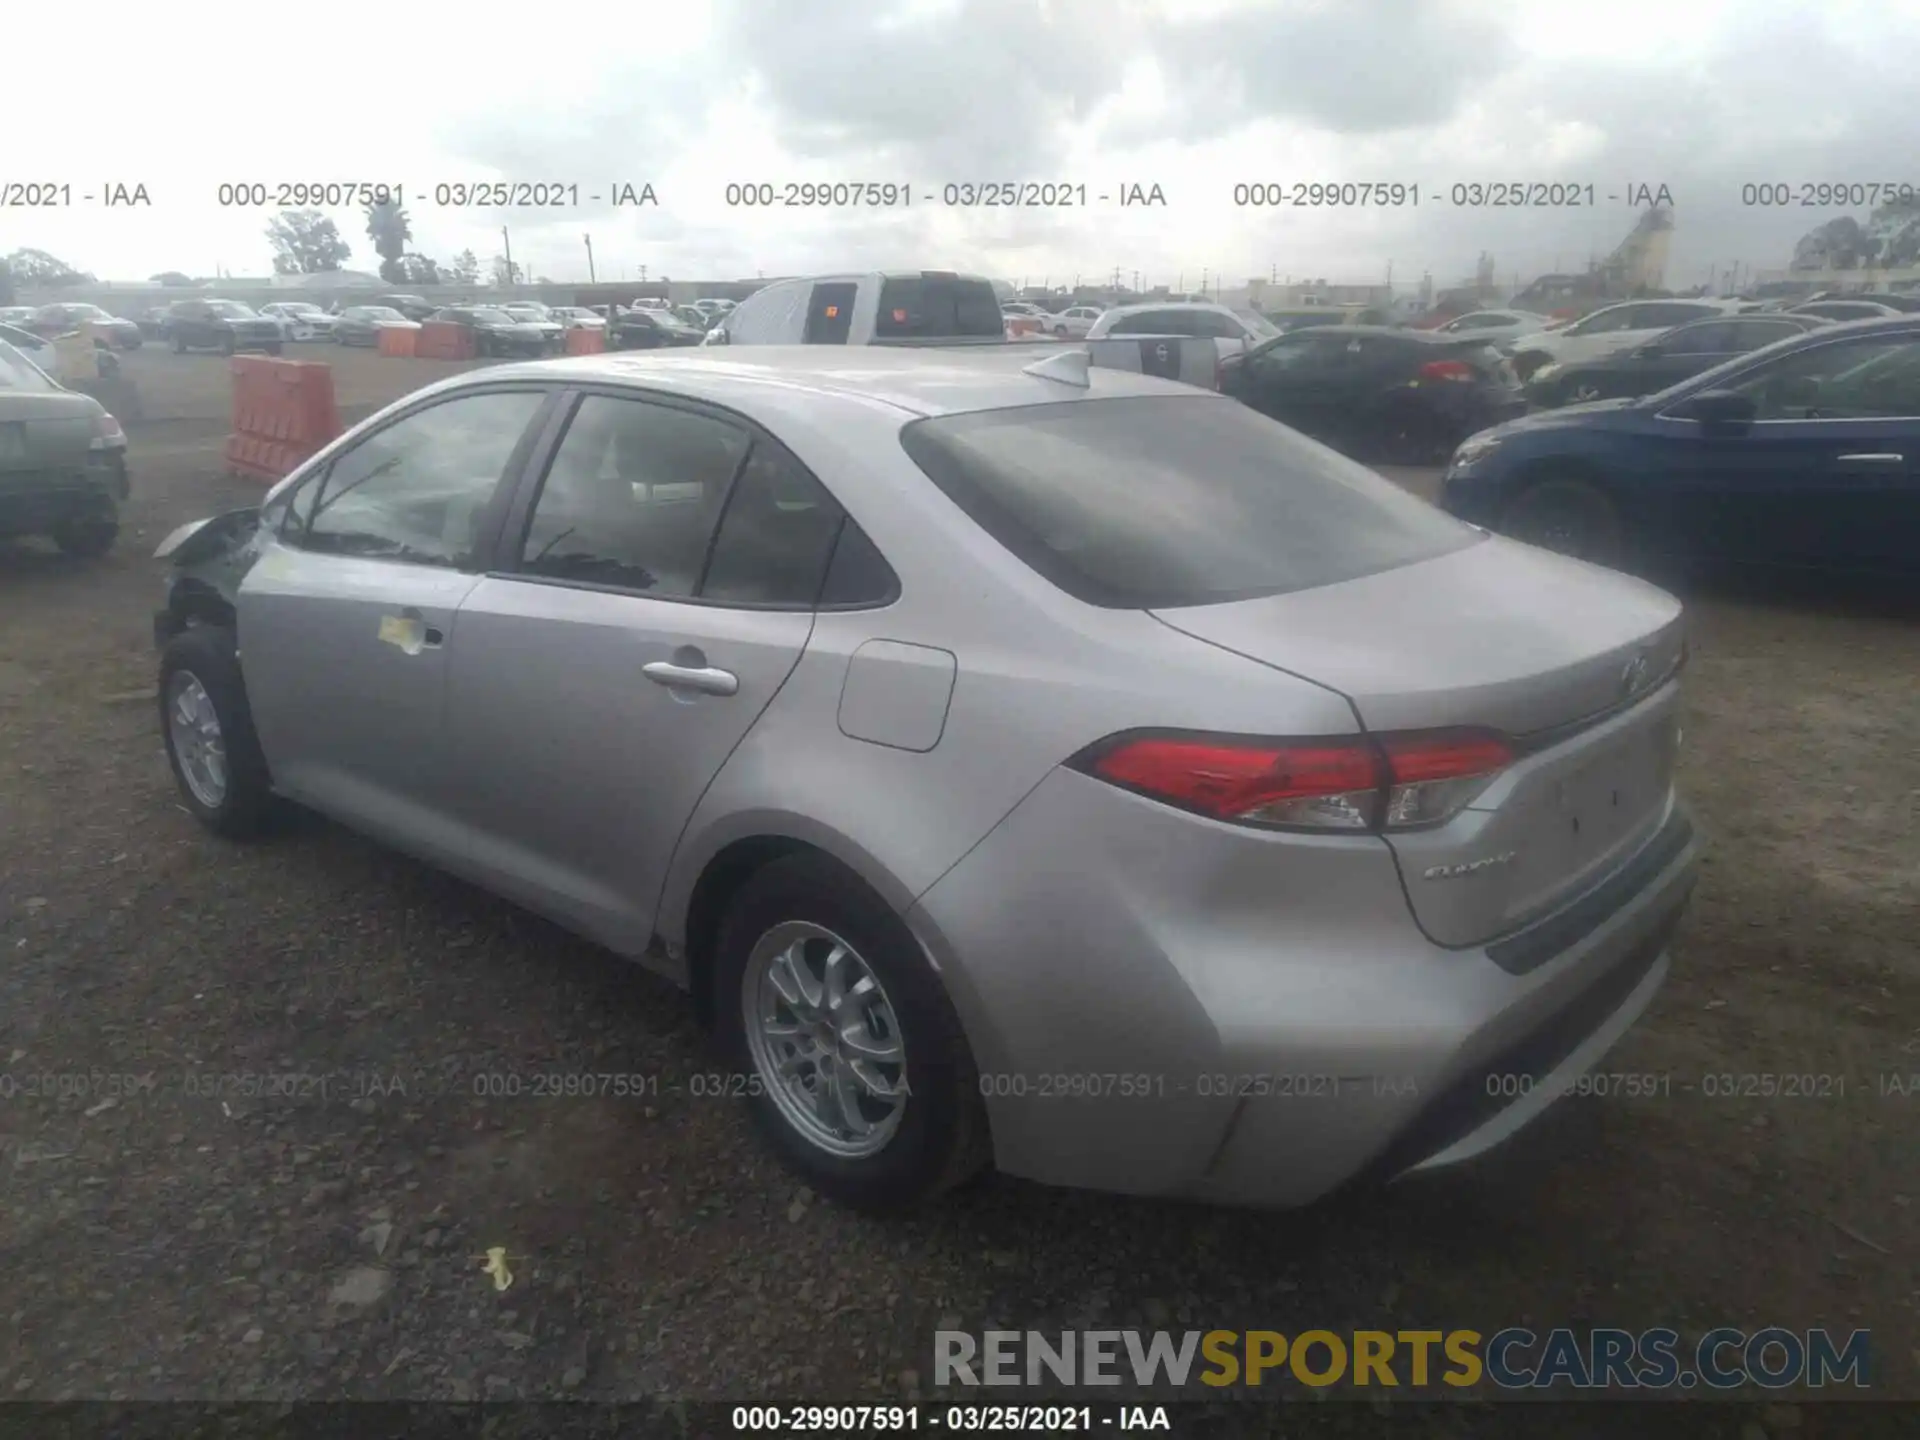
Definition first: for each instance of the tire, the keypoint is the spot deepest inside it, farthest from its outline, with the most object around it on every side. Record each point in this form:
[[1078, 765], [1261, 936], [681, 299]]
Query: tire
[[88, 537], [1414, 437], [1580, 392], [935, 1137], [1528, 361], [179, 345], [1570, 516], [206, 655], [275, 349], [228, 345], [1059, 332]]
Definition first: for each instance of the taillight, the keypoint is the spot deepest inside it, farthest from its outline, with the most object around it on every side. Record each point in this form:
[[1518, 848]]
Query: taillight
[[107, 434], [1446, 370], [1394, 782]]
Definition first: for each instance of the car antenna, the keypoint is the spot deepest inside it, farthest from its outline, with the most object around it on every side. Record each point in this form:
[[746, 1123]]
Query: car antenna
[[1069, 367]]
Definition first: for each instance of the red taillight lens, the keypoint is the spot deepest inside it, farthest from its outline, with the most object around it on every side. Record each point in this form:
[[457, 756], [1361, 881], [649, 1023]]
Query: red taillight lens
[[1438, 772], [1446, 370], [1357, 784]]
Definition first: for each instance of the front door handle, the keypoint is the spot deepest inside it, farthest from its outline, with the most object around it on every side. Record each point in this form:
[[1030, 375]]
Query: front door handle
[[1878, 457], [706, 680]]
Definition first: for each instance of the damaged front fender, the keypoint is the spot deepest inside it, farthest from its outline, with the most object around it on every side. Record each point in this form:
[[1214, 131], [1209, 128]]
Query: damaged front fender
[[210, 558]]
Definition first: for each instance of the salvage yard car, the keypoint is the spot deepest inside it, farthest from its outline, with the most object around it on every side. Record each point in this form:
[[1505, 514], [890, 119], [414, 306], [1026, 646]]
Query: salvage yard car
[[223, 325], [875, 697], [495, 332], [1665, 360], [110, 332], [362, 324], [63, 461], [1804, 455], [301, 319], [644, 329]]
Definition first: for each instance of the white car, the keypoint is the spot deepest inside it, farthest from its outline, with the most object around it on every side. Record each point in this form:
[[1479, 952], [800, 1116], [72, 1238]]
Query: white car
[[1074, 322], [1487, 322], [1609, 330], [578, 317], [1232, 331], [301, 319]]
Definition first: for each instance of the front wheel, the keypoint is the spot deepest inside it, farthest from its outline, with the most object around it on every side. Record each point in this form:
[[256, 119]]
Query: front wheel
[[1527, 362], [208, 728], [1573, 517], [179, 345], [275, 349], [853, 1060]]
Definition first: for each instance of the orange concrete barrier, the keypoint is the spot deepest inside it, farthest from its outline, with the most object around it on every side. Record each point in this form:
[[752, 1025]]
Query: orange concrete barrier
[[585, 341], [397, 340], [443, 340], [283, 412]]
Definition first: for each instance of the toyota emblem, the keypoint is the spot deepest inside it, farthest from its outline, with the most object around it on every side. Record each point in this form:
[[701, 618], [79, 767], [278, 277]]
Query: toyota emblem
[[1633, 675], [1160, 351]]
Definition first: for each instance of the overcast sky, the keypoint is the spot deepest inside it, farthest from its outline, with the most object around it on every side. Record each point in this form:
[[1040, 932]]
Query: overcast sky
[[1192, 95]]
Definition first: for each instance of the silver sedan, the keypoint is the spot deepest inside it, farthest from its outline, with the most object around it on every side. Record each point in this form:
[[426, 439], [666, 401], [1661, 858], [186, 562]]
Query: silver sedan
[[1083, 775]]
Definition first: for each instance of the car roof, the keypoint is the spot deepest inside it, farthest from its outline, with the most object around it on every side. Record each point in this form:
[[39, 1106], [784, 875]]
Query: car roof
[[1354, 332], [919, 381], [1122, 311]]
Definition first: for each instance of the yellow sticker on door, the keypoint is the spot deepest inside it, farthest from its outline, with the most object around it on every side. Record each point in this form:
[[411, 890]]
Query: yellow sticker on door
[[401, 631]]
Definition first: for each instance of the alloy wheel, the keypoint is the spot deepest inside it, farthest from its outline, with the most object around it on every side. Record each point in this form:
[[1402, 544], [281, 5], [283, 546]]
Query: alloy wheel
[[199, 748], [825, 1039]]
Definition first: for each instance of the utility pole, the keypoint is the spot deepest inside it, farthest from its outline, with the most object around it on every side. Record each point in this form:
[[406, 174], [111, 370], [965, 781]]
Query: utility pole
[[592, 278], [506, 241]]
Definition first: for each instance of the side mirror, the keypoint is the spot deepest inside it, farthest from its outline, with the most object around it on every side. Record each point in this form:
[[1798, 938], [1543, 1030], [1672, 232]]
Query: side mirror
[[1718, 409]]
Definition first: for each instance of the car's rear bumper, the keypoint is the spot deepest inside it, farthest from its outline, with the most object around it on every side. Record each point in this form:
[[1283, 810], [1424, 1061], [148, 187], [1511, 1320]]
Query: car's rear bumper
[[1162, 1005], [36, 502]]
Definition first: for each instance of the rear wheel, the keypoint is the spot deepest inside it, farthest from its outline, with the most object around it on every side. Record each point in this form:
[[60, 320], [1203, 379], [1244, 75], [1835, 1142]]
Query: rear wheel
[[1568, 515], [227, 345], [852, 1058], [275, 349], [179, 345], [209, 734], [1528, 361], [88, 536]]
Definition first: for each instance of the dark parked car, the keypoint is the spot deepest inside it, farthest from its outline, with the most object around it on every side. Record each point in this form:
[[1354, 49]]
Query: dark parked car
[[110, 332], [495, 332], [1905, 304], [1664, 360], [651, 330], [1405, 396], [412, 307], [362, 324], [223, 325], [63, 461], [1803, 455], [154, 321]]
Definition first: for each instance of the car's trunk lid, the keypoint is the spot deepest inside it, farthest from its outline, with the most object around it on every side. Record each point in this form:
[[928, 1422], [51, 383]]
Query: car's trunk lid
[[1566, 659]]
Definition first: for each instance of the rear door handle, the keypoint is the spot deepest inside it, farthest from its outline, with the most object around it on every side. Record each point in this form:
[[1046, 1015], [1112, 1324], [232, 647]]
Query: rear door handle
[[707, 681]]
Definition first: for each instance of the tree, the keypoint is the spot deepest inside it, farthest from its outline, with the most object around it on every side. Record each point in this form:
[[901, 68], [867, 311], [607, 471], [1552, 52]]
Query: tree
[[506, 272], [36, 268], [466, 269], [173, 278], [305, 242], [415, 269], [391, 233]]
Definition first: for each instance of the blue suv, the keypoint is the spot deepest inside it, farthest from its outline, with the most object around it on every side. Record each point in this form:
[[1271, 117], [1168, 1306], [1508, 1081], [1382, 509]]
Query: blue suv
[[1803, 455]]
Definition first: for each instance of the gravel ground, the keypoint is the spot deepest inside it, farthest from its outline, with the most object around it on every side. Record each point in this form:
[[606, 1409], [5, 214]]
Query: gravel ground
[[161, 1241]]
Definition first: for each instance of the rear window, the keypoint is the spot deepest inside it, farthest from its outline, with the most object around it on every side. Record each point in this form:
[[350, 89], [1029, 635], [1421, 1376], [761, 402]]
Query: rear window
[[924, 307], [1151, 502], [17, 372]]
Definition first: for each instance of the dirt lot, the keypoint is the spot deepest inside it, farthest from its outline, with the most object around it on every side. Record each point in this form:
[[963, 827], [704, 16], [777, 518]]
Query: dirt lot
[[162, 1242]]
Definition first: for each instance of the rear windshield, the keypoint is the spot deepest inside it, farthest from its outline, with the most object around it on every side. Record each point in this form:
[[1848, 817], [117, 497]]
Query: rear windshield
[[17, 372], [932, 308], [1151, 502]]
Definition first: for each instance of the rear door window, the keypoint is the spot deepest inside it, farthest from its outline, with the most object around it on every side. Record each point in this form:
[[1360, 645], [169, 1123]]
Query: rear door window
[[1147, 502], [830, 313], [935, 307]]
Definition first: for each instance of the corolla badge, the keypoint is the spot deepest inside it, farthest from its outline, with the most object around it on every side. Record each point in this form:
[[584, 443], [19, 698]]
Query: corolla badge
[[1633, 675], [1469, 867]]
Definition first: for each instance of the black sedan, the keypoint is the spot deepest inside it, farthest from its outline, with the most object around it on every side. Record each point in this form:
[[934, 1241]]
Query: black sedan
[[651, 330], [223, 325], [1665, 360], [1804, 455], [1400, 396], [495, 332]]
